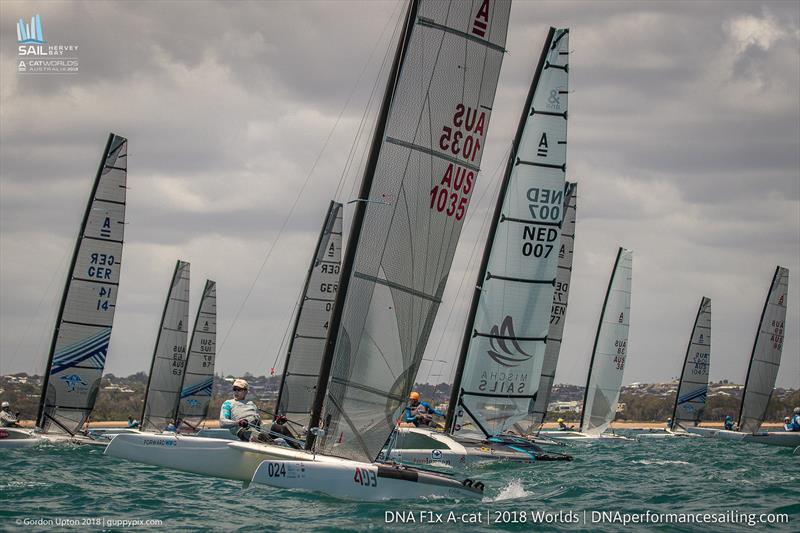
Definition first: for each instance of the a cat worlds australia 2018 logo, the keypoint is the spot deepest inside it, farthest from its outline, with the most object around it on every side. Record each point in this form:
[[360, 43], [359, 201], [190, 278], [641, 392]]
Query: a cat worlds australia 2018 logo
[[35, 55]]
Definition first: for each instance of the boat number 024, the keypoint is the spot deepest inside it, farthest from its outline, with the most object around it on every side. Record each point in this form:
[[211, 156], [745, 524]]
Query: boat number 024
[[276, 470], [365, 477]]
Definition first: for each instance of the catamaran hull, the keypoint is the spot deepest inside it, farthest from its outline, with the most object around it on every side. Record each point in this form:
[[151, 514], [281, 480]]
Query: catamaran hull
[[18, 438], [353, 480], [213, 457], [665, 435], [789, 439], [579, 436]]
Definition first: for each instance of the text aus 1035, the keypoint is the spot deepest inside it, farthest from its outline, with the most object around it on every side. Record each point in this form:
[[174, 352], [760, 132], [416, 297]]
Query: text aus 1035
[[462, 139]]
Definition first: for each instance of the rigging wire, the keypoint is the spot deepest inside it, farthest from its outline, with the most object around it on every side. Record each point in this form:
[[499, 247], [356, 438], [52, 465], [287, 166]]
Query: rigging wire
[[297, 198]]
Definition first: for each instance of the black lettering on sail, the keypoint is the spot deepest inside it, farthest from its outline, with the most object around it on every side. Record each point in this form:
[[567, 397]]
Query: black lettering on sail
[[542, 149], [500, 352]]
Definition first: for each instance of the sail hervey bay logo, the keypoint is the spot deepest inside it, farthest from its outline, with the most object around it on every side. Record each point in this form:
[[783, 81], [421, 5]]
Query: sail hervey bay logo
[[30, 33], [35, 55], [505, 350]]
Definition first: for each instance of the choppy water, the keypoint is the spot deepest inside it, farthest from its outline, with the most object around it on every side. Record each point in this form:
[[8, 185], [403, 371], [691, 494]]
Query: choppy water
[[52, 483]]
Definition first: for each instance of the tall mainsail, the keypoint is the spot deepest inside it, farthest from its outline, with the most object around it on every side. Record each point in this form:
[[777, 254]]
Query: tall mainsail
[[690, 400], [83, 327], [420, 174], [610, 349], [198, 380], [307, 344], [558, 312], [507, 327], [765, 359], [169, 356]]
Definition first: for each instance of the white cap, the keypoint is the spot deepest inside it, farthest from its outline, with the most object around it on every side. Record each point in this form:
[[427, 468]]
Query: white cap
[[6, 404], [240, 383]]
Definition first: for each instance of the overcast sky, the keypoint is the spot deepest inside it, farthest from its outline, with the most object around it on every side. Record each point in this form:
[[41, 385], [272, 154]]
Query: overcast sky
[[684, 135]]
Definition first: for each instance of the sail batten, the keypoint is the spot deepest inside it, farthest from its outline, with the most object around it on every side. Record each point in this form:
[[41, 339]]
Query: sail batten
[[414, 198], [85, 318], [169, 356], [501, 361], [765, 358], [609, 354], [198, 379], [307, 344]]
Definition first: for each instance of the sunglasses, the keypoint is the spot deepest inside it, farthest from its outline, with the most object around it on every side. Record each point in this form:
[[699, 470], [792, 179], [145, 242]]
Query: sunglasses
[[237, 389]]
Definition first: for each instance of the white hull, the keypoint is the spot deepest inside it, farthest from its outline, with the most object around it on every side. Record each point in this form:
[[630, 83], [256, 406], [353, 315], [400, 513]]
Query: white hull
[[18, 438], [214, 457], [353, 480], [665, 435], [789, 439], [579, 436]]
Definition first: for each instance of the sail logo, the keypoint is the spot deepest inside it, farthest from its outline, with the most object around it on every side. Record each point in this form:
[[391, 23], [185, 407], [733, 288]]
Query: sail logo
[[508, 354], [30, 33], [780, 300], [74, 383], [701, 340], [481, 22], [621, 317]]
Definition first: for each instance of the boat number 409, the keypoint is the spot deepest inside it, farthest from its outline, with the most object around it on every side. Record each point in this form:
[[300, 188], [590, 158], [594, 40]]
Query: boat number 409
[[365, 477]]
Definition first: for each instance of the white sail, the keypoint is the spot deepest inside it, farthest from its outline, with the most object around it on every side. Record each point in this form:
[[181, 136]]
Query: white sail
[[558, 312], [511, 308], [83, 327], [307, 345], [169, 358], [610, 350], [417, 186], [198, 380], [690, 399], [765, 359]]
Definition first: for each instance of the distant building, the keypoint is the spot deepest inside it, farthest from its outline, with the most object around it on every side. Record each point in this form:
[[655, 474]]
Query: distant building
[[564, 407]]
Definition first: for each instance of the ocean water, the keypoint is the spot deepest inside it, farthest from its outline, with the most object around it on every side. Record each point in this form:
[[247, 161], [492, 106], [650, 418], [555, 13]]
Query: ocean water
[[53, 487]]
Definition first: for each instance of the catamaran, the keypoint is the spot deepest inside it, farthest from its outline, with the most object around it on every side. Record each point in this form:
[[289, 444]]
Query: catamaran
[[690, 398], [425, 156], [608, 357], [83, 327], [765, 360], [205, 453], [503, 347]]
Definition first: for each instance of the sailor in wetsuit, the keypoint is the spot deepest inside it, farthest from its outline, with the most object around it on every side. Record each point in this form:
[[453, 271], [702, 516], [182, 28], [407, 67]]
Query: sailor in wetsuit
[[7, 419], [794, 422], [418, 412], [562, 426], [669, 424], [237, 415], [728, 422]]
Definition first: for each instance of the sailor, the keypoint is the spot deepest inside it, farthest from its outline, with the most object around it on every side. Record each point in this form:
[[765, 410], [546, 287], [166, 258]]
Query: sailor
[[669, 424], [787, 423], [728, 422], [562, 426], [7, 419], [237, 415], [132, 423], [796, 419], [279, 427], [171, 426], [418, 412]]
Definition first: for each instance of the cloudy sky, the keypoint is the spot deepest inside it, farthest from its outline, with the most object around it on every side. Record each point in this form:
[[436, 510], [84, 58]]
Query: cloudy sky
[[684, 135]]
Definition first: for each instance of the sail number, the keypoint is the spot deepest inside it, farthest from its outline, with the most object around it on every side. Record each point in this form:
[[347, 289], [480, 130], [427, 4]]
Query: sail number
[[366, 477], [98, 266], [451, 196], [464, 136], [103, 302], [619, 359]]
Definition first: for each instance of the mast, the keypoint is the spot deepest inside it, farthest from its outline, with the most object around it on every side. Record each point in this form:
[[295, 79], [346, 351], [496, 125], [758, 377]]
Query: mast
[[597, 336], [755, 343], [355, 229], [158, 339], [327, 224], [455, 393]]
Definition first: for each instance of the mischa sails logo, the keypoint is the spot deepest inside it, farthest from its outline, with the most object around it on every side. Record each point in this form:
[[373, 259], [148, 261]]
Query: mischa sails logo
[[30, 33]]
